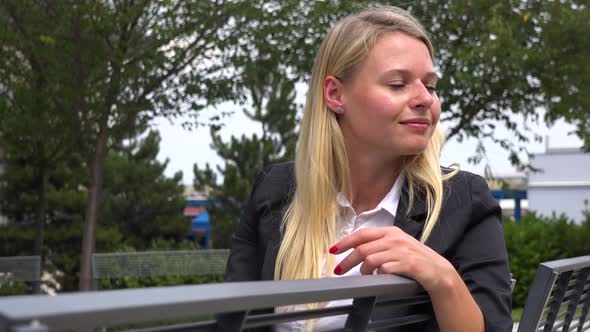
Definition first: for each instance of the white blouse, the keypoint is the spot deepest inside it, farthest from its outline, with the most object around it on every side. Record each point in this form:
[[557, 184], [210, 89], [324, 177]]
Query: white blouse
[[348, 222]]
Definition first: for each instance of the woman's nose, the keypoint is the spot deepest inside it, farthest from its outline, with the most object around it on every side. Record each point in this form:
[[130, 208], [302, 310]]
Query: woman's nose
[[422, 97]]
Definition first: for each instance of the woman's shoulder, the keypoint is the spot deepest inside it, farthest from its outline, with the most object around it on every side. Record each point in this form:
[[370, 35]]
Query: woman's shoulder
[[275, 181], [463, 179], [464, 187], [279, 174]]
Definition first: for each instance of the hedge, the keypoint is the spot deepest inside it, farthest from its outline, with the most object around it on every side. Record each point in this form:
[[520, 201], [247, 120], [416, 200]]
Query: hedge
[[536, 239]]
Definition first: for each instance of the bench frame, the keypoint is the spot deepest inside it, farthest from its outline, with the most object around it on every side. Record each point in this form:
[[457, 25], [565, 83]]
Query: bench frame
[[559, 297]]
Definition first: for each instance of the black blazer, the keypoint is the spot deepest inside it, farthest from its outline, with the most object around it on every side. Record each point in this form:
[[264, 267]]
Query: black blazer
[[469, 234]]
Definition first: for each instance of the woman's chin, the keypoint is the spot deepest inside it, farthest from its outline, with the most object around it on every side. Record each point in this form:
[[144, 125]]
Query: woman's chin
[[415, 149]]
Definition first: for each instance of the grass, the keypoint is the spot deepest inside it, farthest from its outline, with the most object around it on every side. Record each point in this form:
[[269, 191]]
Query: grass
[[516, 314]]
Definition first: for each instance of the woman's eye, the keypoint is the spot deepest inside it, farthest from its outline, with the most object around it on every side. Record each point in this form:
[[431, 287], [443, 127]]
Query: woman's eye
[[397, 86], [431, 88]]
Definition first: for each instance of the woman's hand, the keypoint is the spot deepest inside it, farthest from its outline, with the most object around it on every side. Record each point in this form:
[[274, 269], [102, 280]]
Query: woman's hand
[[391, 250]]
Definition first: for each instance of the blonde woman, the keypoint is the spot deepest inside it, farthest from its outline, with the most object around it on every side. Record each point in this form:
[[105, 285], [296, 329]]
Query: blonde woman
[[366, 193]]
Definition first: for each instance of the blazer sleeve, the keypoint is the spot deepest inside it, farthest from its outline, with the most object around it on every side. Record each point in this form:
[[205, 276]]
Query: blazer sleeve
[[482, 260], [244, 262]]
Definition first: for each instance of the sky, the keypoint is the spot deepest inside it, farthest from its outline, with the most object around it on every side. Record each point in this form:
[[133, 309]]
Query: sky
[[184, 148]]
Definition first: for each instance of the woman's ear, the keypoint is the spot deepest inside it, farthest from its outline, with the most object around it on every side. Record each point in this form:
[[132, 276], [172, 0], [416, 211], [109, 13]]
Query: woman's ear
[[333, 94]]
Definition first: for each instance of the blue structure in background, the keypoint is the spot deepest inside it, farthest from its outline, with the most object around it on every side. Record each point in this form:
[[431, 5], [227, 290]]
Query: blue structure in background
[[517, 195], [201, 226], [200, 223]]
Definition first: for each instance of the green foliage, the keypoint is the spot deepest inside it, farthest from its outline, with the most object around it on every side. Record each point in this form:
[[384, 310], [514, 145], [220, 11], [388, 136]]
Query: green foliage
[[97, 72], [534, 240], [161, 281], [272, 94], [142, 209], [16, 240], [64, 251], [494, 74], [139, 199], [14, 288], [562, 67]]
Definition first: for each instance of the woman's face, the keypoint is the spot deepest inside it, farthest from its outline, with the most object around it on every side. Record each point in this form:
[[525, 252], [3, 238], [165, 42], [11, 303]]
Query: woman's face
[[390, 104]]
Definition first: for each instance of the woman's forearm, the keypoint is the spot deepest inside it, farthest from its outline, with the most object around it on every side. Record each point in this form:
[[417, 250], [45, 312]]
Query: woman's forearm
[[454, 307]]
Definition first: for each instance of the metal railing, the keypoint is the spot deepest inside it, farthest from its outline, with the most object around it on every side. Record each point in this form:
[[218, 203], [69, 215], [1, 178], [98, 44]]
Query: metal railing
[[238, 300], [559, 297]]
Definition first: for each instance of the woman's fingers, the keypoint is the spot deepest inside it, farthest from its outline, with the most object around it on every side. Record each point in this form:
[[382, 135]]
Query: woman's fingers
[[391, 268], [357, 238], [376, 261], [390, 250], [361, 253]]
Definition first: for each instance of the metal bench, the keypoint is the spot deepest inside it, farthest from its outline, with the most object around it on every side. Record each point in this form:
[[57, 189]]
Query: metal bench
[[158, 263], [239, 299], [21, 268], [559, 297]]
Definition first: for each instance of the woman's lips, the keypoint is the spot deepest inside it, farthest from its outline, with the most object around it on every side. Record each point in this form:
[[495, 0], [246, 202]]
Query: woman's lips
[[418, 123], [421, 126]]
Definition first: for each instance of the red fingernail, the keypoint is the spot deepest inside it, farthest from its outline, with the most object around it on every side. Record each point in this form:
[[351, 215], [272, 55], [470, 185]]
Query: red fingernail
[[333, 250], [337, 270]]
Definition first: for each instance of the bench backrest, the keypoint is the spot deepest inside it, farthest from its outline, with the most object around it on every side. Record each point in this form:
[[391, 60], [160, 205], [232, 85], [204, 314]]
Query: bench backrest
[[159, 263], [20, 268], [559, 297], [406, 304]]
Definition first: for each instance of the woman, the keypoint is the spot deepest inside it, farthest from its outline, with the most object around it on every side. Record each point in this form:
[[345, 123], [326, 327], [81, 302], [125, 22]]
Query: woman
[[366, 193]]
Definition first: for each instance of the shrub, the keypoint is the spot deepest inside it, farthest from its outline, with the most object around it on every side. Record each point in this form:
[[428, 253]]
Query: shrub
[[15, 288], [159, 281], [536, 239]]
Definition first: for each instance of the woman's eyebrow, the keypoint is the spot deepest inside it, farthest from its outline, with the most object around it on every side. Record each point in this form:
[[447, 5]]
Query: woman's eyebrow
[[404, 72]]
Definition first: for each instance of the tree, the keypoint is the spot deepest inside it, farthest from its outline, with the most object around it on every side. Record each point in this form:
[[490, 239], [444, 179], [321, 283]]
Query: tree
[[34, 141], [33, 147], [142, 208], [139, 200], [501, 64], [562, 67], [272, 95], [115, 65]]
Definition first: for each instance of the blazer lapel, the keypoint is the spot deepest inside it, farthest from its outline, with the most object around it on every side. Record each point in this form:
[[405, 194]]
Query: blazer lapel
[[411, 221]]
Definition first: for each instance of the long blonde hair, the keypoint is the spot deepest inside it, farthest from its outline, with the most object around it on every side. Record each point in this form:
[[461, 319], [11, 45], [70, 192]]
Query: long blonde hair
[[321, 165]]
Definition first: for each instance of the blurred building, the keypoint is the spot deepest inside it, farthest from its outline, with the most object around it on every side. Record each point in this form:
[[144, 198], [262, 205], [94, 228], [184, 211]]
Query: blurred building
[[563, 183], [511, 193]]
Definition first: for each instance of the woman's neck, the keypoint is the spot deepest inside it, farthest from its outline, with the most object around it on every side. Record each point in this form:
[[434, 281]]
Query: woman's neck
[[371, 179]]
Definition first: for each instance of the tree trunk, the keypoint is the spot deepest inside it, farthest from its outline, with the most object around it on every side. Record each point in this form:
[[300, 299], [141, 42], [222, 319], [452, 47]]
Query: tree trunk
[[92, 206], [40, 216]]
